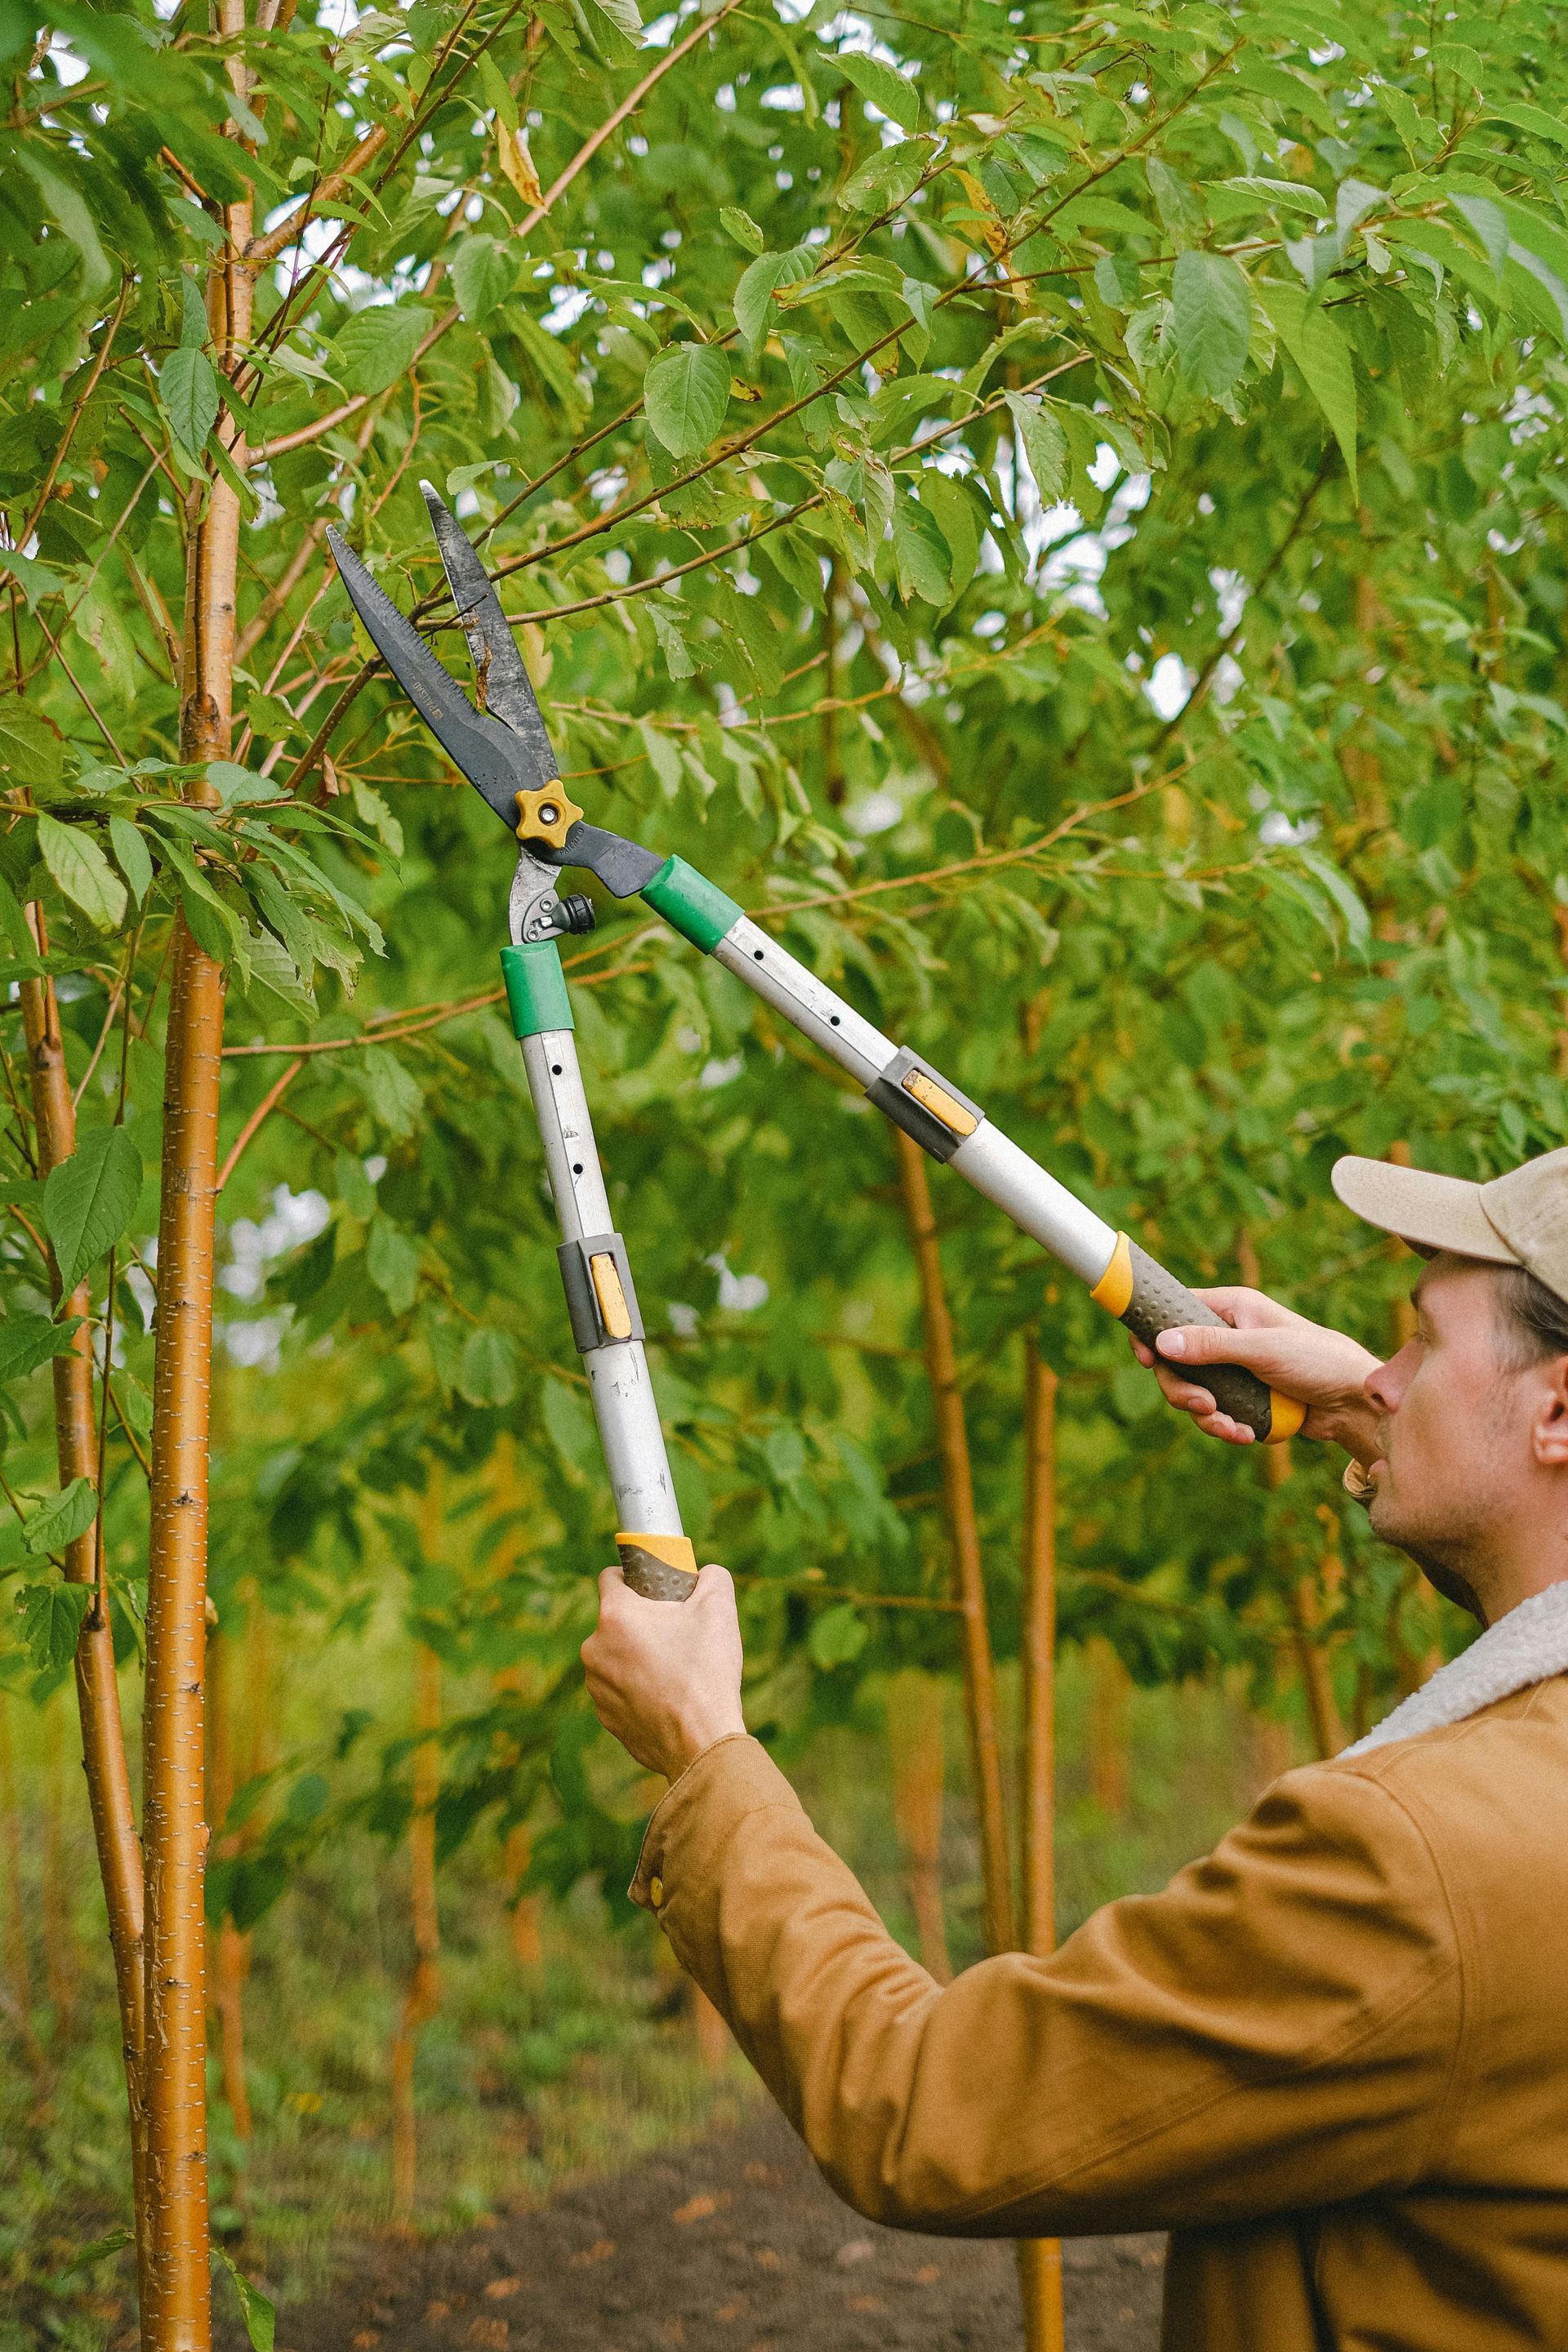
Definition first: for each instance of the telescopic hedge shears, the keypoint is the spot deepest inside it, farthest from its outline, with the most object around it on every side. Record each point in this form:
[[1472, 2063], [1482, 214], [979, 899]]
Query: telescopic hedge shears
[[502, 748]]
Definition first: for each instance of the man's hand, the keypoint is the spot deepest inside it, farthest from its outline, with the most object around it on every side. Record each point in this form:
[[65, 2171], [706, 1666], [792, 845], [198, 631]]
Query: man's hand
[[1322, 1369], [664, 1676]]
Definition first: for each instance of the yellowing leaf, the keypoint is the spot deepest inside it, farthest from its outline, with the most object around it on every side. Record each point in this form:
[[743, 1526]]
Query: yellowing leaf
[[513, 155]]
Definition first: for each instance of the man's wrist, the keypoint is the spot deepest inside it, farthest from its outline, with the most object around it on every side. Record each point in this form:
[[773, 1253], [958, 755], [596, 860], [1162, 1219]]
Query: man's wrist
[[698, 1731]]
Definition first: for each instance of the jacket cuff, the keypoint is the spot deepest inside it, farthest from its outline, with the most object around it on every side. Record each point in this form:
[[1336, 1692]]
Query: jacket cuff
[[699, 1813]]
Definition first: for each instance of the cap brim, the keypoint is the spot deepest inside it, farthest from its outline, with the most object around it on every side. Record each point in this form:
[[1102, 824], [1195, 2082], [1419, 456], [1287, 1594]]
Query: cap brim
[[1430, 1212]]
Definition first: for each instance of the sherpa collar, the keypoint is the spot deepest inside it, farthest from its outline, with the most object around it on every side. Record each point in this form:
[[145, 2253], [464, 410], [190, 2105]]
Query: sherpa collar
[[1529, 1645]]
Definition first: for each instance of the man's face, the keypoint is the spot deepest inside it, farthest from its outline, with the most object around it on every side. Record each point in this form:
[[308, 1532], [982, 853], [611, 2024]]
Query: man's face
[[1453, 1428]]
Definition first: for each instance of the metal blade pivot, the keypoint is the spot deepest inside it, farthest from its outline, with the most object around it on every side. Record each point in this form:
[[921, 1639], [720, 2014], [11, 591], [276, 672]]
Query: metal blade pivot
[[504, 685], [489, 754]]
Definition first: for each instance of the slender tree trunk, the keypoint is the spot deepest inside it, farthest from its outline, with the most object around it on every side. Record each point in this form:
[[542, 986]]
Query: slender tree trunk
[[19, 1966], [176, 2293], [1039, 2259], [104, 1762], [423, 1993], [958, 1489], [1110, 1690], [915, 1737], [54, 1891], [231, 1950], [526, 1942]]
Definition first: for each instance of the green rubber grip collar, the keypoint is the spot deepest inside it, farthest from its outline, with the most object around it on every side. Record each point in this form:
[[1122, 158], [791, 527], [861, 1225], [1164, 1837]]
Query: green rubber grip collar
[[535, 989], [692, 904]]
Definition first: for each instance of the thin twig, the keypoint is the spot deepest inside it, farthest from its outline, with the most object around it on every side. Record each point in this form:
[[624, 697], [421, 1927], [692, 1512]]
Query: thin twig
[[268, 1102]]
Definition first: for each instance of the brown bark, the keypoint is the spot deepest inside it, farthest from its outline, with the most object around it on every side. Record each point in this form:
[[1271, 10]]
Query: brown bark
[[526, 1942], [176, 2296], [1039, 2259], [76, 1453], [958, 1491], [424, 1994], [1110, 1689], [915, 1739]]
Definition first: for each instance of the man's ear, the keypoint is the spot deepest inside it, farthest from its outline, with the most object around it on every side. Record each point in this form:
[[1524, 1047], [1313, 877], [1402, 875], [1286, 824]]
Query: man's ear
[[1551, 1431]]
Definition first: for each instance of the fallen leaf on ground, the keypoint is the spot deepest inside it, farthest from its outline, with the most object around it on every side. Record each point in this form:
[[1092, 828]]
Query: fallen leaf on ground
[[864, 2302], [768, 2259], [599, 2252], [435, 2311], [699, 2209], [490, 2335], [858, 2250], [928, 2274], [499, 2289]]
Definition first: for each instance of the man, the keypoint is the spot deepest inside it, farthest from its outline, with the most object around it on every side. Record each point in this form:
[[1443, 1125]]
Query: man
[[1332, 2058]]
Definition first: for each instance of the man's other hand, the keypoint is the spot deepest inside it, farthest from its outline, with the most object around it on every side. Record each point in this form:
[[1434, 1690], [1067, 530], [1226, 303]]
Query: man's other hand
[[664, 1676], [1322, 1369]]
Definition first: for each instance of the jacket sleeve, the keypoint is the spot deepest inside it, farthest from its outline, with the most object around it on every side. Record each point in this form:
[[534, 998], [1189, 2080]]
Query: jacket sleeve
[[1279, 2027]]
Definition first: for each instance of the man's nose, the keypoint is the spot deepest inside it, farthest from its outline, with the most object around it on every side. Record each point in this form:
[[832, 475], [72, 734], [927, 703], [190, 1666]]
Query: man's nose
[[1385, 1383]]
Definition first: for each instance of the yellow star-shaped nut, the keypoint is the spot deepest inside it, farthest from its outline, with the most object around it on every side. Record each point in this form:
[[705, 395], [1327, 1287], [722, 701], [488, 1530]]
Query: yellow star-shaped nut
[[545, 813]]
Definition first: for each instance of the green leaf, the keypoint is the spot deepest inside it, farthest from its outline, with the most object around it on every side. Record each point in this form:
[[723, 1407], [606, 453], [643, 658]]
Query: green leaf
[[755, 290], [1357, 921], [133, 857], [89, 1198], [82, 872], [1212, 319], [101, 2249], [259, 2317], [488, 1372], [887, 90], [29, 1341], [1533, 119], [376, 347], [31, 751], [624, 15], [741, 228], [483, 273], [187, 387], [393, 1264], [52, 1617], [954, 508], [1321, 351], [570, 1424], [66, 1515], [1044, 445], [393, 1094], [838, 1636], [921, 555], [686, 392]]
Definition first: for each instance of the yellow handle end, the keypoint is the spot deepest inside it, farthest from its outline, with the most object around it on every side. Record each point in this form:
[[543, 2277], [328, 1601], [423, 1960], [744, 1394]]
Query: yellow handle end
[[1285, 1417], [1113, 1291]]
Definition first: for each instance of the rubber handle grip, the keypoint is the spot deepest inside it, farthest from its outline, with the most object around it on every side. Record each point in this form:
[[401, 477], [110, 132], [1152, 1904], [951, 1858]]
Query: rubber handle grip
[[661, 1567], [1160, 1303]]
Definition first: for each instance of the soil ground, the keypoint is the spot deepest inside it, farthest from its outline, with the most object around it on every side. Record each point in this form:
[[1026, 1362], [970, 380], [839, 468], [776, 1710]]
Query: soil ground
[[731, 2245]]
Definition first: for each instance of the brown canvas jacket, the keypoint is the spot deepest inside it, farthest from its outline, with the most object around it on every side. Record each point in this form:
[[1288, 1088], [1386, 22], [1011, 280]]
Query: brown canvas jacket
[[1332, 2058]]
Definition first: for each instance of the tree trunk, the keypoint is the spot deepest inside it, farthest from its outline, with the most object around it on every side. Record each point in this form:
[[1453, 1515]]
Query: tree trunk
[[526, 1942], [958, 1490], [104, 1762], [1110, 1690], [424, 1994], [915, 1737], [1039, 2259], [176, 2292], [231, 1950]]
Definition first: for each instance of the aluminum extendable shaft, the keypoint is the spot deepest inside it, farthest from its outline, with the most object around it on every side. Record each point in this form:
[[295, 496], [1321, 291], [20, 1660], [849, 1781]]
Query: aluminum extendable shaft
[[601, 1298], [1120, 1276]]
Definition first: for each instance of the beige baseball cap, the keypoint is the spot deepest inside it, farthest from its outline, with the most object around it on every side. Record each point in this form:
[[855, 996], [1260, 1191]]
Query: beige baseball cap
[[1520, 1219]]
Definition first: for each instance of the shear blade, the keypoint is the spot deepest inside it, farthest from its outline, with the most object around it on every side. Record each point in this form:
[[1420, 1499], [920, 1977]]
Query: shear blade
[[504, 684], [491, 755]]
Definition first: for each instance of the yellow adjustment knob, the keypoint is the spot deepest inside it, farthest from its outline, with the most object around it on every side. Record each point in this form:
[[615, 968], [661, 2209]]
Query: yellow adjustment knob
[[545, 813]]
